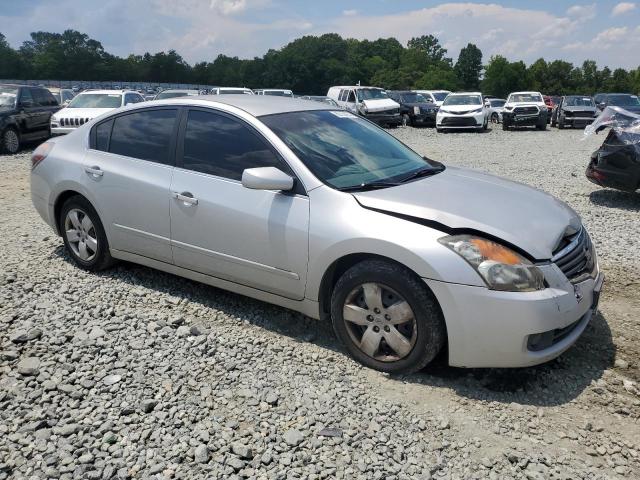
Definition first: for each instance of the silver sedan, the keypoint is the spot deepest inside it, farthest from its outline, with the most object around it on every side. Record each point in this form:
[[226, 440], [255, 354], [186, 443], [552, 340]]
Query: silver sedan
[[318, 210]]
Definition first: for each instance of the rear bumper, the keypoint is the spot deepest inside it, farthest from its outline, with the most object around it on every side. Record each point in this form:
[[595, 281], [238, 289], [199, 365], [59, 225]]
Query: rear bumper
[[487, 328]]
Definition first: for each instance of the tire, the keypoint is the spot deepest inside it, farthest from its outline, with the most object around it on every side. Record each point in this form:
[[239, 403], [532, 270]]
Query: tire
[[94, 256], [542, 123], [418, 328], [406, 120], [505, 125], [10, 141], [560, 123], [495, 118], [440, 130], [485, 124]]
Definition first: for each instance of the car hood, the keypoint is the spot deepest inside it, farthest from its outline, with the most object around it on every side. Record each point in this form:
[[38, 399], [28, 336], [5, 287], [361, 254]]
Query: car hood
[[579, 109], [458, 198], [461, 108], [380, 104], [81, 112]]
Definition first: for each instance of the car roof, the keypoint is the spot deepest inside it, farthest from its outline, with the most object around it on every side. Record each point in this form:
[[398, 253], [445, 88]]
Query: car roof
[[465, 93], [19, 85], [179, 90], [355, 86], [521, 93], [256, 105], [111, 92]]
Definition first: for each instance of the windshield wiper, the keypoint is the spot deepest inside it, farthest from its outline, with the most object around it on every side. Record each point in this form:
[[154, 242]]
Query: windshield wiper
[[363, 187], [423, 172]]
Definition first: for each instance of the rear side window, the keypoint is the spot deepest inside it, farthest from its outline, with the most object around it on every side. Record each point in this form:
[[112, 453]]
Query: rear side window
[[145, 135], [43, 97], [222, 146]]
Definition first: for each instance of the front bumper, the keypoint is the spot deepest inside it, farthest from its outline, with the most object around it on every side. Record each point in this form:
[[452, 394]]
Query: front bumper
[[578, 121], [383, 119], [524, 120], [424, 118], [449, 120], [62, 130], [488, 328]]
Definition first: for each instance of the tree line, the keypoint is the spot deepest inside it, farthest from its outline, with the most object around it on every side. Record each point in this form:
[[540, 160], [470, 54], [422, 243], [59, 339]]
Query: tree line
[[311, 64]]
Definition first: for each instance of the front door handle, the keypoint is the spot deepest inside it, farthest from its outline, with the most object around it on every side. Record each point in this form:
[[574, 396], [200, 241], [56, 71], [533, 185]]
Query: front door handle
[[185, 197], [94, 171]]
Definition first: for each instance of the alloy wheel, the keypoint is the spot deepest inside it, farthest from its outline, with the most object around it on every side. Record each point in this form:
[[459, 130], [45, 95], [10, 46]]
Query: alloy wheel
[[81, 234], [380, 322], [11, 141]]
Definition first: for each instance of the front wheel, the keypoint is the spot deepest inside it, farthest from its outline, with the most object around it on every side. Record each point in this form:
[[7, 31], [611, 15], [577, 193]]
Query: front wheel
[[505, 125], [83, 235], [406, 120], [386, 317], [10, 141], [495, 118]]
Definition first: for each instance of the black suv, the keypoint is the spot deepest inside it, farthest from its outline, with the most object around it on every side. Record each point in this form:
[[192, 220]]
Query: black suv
[[414, 108], [25, 115], [627, 101]]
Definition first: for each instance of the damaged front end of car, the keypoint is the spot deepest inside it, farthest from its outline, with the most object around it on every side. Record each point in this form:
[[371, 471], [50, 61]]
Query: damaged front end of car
[[616, 164]]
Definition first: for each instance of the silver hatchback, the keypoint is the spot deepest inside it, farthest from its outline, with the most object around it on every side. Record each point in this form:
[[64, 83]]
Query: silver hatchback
[[318, 210]]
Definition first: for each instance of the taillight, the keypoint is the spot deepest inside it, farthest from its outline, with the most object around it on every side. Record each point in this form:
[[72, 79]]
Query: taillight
[[40, 153]]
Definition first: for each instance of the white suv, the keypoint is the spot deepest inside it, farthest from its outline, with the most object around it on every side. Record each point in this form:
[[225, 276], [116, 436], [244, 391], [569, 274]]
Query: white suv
[[525, 109], [463, 110]]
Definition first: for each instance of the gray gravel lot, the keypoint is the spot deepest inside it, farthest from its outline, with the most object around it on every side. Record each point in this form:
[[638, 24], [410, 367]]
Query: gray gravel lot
[[134, 373]]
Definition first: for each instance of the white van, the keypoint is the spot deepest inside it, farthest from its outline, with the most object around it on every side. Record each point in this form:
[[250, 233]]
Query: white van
[[372, 103]]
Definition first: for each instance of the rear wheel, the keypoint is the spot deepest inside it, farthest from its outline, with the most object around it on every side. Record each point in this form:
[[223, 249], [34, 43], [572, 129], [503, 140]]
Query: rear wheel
[[386, 317], [10, 141], [84, 235]]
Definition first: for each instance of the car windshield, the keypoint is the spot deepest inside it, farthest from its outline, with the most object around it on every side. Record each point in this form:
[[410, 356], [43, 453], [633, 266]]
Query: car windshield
[[344, 150], [8, 97], [278, 93], [579, 102], [525, 97], [413, 98], [623, 100], [370, 94], [164, 95], [462, 100], [497, 103], [96, 100], [440, 96]]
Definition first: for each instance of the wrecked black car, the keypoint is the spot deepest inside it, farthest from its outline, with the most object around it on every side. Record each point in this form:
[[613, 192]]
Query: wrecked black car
[[616, 164], [415, 109]]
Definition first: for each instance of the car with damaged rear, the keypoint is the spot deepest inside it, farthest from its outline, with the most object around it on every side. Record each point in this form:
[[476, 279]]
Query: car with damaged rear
[[318, 210]]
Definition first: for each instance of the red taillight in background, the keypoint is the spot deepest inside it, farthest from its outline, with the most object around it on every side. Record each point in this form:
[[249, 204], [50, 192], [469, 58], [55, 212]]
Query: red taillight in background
[[40, 153]]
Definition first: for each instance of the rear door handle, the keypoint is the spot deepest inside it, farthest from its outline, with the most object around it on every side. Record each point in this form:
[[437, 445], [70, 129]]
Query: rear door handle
[[95, 171], [185, 197]]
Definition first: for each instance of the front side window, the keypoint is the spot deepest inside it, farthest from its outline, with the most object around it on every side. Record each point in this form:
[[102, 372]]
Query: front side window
[[26, 97], [462, 100], [145, 135], [344, 150], [219, 145], [96, 100], [579, 102]]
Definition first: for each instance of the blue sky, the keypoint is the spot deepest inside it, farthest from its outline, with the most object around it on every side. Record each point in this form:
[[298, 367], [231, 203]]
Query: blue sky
[[605, 31]]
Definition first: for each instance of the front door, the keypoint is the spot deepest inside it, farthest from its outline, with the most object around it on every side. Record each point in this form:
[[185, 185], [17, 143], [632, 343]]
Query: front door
[[256, 238]]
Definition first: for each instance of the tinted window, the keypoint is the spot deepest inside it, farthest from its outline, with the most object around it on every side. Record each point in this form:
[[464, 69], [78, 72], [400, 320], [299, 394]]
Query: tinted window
[[145, 135], [222, 146], [44, 97], [25, 95], [66, 96], [352, 97], [103, 131]]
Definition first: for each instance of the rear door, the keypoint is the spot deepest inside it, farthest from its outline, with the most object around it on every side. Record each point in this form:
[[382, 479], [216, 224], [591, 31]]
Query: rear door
[[128, 169], [256, 238]]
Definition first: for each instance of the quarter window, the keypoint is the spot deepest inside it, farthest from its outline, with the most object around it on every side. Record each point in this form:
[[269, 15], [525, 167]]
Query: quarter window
[[145, 135], [103, 132], [219, 145]]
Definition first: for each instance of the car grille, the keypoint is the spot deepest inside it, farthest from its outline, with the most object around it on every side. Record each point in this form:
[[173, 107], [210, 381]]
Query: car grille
[[459, 122], [73, 122], [526, 110], [579, 113], [576, 258], [391, 111]]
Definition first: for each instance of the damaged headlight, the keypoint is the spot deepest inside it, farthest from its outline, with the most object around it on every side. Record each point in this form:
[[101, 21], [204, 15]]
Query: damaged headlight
[[500, 267]]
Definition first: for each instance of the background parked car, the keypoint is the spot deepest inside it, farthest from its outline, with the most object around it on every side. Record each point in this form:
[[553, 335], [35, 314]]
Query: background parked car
[[436, 96], [175, 94], [625, 100], [495, 107], [89, 105], [62, 95], [415, 109], [574, 111], [550, 102], [372, 103], [231, 91], [463, 110], [276, 92], [321, 98], [25, 113], [525, 109]]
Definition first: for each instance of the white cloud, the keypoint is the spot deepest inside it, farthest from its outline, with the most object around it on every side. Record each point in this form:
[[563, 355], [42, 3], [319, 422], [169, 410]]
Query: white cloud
[[229, 7], [582, 12], [622, 8], [349, 13]]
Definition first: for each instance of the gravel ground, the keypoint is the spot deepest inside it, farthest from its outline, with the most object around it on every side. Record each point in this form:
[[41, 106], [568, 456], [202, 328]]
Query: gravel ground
[[134, 373]]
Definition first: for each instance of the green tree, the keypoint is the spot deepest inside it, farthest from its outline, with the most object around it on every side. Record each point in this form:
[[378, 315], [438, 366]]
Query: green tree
[[502, 77], [469, 67], [430, 46], [10, 62]]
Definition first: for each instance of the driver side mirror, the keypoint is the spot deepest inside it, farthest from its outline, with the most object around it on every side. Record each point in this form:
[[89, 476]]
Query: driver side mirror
[[266, 178]]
